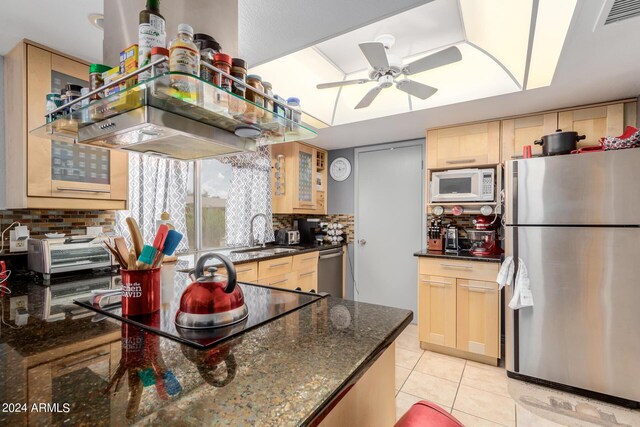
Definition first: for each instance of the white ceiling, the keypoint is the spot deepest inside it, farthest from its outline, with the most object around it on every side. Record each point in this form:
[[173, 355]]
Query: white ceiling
[[440, 19], [61, 25], [597, 63]]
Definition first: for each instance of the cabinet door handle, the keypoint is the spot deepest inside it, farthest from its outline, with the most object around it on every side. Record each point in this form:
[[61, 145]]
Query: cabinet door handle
[[83, 190], [279, 281], [456, 162], [278, 265], [465, 267], [244, 271], [436, 282], [478, 287], [306, 274]]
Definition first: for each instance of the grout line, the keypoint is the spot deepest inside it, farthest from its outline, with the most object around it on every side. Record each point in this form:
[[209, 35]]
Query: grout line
[[458, 388], [477, 416]]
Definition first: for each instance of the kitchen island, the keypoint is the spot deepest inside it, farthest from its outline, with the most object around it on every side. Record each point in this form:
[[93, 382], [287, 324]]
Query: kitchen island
[[308, 367]]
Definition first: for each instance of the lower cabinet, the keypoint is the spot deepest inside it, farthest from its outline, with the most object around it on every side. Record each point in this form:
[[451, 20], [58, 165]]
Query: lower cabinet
[[460, 313], [437, 310], [245, 272], [298, 272]]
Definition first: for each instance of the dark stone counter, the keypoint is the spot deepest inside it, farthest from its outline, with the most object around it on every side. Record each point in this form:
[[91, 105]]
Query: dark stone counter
[[283, 373], [463, 255]]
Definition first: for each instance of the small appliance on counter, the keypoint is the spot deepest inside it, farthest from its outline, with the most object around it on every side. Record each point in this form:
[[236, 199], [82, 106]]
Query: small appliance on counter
[[309, 228], [452, 243], [484, 236], [51, 256], [287, 237]]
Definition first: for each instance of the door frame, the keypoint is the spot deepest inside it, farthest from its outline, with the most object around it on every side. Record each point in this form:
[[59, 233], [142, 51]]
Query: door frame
[[423, 214]]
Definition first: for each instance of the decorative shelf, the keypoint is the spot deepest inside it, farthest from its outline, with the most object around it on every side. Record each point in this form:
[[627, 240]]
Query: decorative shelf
[[201, 121]]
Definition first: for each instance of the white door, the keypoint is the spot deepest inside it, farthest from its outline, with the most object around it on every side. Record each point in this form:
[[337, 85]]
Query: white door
[[389, 224]]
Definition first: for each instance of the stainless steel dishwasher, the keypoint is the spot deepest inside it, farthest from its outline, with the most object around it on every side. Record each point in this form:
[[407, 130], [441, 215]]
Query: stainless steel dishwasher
[[330, 271]]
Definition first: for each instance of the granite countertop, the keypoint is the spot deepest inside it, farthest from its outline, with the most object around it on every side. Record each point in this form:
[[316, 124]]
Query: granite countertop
[[255, 255], [283, 373], [463, 255]]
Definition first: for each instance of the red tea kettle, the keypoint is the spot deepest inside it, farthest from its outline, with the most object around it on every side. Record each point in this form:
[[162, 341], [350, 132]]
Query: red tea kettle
[[211, 301]]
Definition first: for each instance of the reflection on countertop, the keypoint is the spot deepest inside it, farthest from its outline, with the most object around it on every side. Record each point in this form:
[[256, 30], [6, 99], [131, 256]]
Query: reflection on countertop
[[462, 255], [110, 373]]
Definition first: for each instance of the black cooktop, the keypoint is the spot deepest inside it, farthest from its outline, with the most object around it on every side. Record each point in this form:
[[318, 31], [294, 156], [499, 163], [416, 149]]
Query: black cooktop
[[264, 304]]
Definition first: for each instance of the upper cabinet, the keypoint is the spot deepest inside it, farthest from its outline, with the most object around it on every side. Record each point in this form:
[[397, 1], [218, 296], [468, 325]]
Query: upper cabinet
[[522, 131], [299, 179], [596, 122], [51, 174], [464, 146]]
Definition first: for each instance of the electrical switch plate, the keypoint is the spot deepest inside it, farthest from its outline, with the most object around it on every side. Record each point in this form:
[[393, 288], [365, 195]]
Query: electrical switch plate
[[15, 303]]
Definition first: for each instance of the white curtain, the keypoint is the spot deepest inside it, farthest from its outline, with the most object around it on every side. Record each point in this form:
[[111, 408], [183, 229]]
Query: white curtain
[[156, 185], [250, 193]]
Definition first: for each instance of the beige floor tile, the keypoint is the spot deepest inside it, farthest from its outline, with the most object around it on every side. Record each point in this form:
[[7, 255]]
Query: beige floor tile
[[404, 401], [407, 358], [401, 376], [433, 389], [529, 419], [473, 421], [411, 330], [408, 342], [485, 366], [484, 404], [449, 368], [493, 380]]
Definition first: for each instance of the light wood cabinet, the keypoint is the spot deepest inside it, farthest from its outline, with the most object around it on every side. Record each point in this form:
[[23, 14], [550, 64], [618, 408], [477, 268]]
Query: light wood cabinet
[[594, 122], [47, 174], [298, 272], [299, 179], [478, 317], [521, 131], [437, 310], [457, 312], [464, 146], [305, 267], [244, 272]]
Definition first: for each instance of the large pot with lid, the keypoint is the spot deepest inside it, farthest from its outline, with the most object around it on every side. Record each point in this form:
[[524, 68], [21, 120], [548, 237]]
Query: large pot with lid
[[559, 142], [212, 300]]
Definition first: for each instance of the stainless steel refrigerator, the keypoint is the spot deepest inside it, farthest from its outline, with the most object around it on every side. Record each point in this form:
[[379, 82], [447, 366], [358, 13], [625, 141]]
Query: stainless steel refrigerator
[[575, 222]]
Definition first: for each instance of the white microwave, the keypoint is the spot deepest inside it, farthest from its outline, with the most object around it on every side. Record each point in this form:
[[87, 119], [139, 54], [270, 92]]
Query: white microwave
[[463, 185]]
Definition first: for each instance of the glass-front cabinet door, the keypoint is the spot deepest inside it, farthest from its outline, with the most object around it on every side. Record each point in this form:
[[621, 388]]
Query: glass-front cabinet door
[[305, 163], [61, 168]]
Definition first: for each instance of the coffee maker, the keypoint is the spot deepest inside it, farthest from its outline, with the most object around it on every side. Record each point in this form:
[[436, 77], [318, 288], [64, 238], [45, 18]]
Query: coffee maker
[[308, 228]]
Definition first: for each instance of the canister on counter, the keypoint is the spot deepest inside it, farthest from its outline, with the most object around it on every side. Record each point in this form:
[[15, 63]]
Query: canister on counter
[[96, 79]]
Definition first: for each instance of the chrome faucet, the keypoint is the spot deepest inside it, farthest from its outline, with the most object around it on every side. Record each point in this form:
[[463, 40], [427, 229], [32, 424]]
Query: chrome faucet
[[252, 242]]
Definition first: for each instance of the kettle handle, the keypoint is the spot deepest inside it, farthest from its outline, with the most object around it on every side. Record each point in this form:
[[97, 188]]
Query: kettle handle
[[231, 270]]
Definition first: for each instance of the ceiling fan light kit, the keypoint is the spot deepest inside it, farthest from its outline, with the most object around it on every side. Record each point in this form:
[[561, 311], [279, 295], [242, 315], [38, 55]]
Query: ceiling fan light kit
[[386, 67]]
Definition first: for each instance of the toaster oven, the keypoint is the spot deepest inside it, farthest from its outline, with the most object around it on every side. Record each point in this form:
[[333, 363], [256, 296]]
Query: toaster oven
[[52, 256]]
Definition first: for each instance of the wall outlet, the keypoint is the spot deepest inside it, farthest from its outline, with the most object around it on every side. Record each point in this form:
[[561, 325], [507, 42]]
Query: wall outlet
[[18, 246], [15, 303]]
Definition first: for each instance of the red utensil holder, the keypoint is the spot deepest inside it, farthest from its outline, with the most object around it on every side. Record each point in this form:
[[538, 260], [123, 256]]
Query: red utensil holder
[[140, 291]]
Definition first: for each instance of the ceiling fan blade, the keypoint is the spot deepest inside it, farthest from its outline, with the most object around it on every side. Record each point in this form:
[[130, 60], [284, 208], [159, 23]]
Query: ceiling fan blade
[[416, 89], [342, 83], [438, 59], [369, 97], [376, 54]]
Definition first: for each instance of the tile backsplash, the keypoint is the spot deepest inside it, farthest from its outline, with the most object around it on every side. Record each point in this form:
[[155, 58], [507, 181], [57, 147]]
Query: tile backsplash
[[286, 221], [68, 222]]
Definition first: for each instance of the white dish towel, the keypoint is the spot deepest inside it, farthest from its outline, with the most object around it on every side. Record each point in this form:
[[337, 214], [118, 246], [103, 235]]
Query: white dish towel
[[522, 296]]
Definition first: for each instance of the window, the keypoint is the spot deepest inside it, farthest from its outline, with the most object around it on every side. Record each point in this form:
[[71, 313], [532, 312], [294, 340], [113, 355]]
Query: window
[[207, 193]]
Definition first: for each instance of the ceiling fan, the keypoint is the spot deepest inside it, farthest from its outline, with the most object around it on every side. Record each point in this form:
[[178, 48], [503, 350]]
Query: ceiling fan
[[386, 67]]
